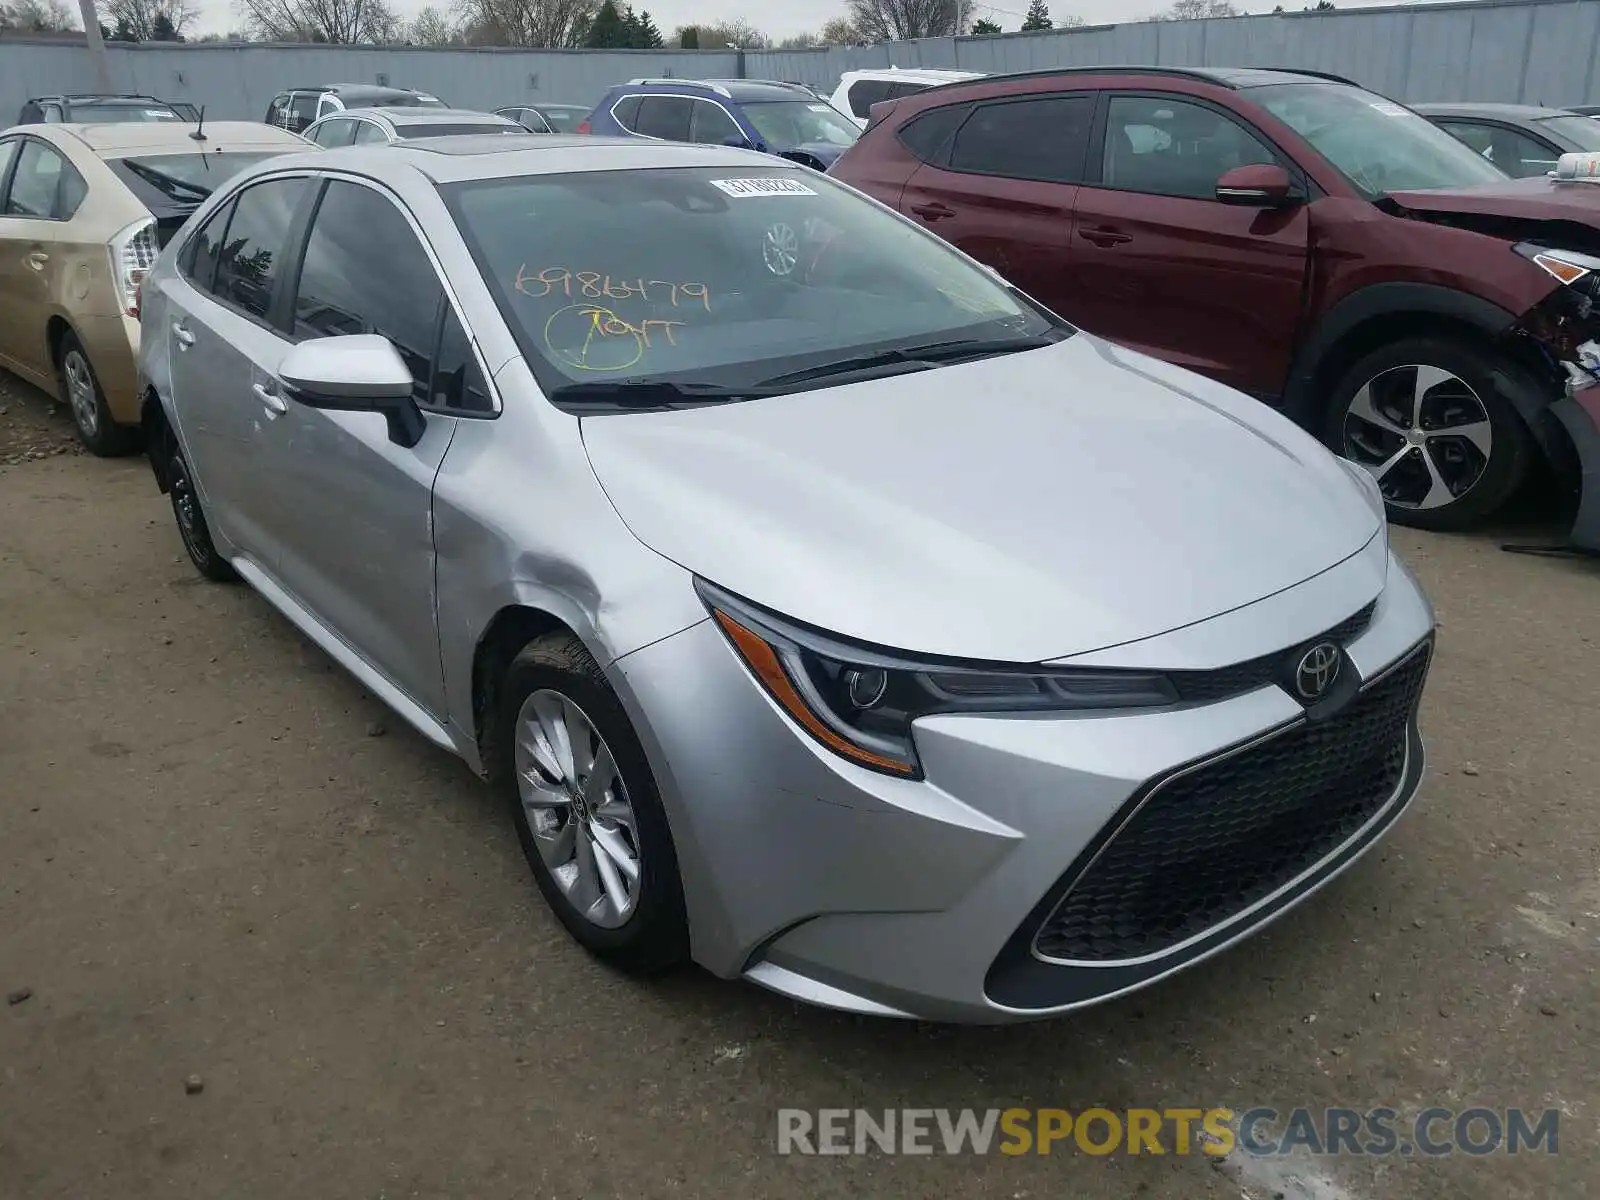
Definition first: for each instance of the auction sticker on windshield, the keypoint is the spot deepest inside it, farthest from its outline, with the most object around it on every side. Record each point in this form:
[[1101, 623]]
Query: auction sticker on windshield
[[745, 189], [1388, 109]]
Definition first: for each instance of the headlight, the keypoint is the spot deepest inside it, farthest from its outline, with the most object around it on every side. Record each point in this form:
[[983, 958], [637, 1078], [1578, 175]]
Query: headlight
[[1566, 265], [860, 702]]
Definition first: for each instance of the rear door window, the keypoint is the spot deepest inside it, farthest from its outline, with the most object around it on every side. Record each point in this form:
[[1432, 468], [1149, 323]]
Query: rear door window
[[336, 131], [864, 93], [1042, 138], [665, 117], [252, 251]]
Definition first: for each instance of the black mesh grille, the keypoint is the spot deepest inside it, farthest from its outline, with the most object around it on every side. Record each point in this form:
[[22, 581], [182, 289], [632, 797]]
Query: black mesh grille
[[1217, 840], [1206, 687]]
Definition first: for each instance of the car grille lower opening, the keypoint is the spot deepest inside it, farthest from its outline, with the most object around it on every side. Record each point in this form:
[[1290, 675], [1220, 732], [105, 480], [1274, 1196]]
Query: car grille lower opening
[[1214, 841]]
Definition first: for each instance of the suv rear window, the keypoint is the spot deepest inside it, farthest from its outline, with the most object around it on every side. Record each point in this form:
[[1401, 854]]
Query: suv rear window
[[1041, 138], [927, 134]]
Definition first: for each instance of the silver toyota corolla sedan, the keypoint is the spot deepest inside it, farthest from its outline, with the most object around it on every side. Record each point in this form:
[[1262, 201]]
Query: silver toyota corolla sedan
[[826, 610]]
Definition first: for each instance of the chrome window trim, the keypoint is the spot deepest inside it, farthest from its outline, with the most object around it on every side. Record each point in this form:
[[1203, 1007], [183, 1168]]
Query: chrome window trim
[[650, 137]]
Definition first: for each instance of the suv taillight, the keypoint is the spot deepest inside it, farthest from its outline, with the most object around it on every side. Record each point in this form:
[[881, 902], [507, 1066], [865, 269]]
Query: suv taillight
[[584, 126], [133, 253]]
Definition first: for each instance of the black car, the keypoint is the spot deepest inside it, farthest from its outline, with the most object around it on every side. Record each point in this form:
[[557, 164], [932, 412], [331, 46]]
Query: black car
[[296, 108], [1520, 139], [99, 109], [546, 118]]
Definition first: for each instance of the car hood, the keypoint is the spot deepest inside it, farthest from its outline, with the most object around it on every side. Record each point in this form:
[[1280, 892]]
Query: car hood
[[1019, 508], [1537, 199]]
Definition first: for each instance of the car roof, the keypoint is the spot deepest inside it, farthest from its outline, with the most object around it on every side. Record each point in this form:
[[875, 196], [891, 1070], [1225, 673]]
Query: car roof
[[116, 139], [728, 89], [357, 89], [912, 74], [495, 156], [1235, 78], [420, 116], [1509, 112], [128, 98]]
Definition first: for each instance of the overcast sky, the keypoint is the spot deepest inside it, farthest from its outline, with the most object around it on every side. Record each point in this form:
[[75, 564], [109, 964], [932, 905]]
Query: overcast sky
[[783, 18]]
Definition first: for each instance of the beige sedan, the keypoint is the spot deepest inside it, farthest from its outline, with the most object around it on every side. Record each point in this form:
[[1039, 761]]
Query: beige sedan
[[84, 210]]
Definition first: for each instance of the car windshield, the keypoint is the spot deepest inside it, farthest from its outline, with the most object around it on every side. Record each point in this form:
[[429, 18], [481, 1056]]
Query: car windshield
[[1379, 145], [785, 124], [439, 129], [118, 114], [1582, 132], [719, 277], [564, 118]]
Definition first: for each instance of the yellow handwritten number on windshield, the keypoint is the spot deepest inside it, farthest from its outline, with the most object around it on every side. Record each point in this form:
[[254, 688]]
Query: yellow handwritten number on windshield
[[592, 338]]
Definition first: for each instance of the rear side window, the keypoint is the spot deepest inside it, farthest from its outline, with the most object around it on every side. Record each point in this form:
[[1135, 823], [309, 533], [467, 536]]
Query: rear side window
[[302, 109], [864, 93], [335, 133], [44, 185], [252, 250], [1043, 138], [927, 134], [665, 117], [626, 111], [198, 262], [367, 133]]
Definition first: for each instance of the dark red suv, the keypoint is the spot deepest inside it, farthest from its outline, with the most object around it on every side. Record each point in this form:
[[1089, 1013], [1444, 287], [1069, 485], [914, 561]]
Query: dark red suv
[[1294, 236]]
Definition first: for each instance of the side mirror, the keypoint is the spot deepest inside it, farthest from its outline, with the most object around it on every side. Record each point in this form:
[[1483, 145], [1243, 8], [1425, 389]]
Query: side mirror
[[359, 372], [1259, 185]]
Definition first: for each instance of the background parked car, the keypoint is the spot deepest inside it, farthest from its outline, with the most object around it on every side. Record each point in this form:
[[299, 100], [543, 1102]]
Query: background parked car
[[1520, 139], [84, 210], [858, 91], [297, 108], [774, 118], [1585, 110], [1287, 233], [547, 118], [103, 110], [358, 126]]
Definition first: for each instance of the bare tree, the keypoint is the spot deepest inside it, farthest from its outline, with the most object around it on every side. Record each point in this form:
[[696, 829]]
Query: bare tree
[[900, 20], [800, 41], [737, 33], [840, 32], [36, 16], [431, 27], [150, 20], [1197, 10], [526, 22], [342, 22]]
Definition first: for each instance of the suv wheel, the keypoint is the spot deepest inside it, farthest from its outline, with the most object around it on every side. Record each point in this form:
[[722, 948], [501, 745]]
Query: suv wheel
[[1424, 416], [592, 826]]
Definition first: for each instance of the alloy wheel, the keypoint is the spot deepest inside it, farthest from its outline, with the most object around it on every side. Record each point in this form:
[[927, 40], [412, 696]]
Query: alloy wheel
[[81, 392], [1423, 433], [780, 249], [577, 807]]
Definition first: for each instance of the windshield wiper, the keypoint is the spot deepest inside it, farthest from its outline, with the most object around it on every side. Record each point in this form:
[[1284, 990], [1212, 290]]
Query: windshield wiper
[[914, 358], [647, 395], [172, 187]]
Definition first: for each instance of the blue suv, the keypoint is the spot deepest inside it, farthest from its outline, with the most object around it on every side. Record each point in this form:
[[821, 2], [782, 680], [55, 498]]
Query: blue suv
[[785, 119]]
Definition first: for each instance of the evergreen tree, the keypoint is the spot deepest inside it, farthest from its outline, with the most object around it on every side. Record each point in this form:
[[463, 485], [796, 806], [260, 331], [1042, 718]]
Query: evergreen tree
[[162, 29], [649, 35], [1038, 17], [689, 38], [984, 26], [630, 29], [607, 31]]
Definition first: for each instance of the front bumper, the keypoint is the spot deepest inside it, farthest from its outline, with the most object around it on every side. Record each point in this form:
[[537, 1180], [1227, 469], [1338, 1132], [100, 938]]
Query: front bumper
[[1579, 414], [846, 888]]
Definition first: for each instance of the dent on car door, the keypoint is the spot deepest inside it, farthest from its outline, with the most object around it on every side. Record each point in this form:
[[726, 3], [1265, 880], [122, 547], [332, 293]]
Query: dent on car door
[[1162, 266], [220, 309], [1003, 189], [357, 537]]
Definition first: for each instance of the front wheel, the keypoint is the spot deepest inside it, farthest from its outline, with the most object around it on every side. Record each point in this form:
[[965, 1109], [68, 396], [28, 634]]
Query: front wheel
[[590, 820], [1425, 417]]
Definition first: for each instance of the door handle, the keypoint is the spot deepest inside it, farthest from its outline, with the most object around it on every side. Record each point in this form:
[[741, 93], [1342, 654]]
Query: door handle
[[932, 212], [184, 337], [274, 403], [36, 260], [1104, 237]]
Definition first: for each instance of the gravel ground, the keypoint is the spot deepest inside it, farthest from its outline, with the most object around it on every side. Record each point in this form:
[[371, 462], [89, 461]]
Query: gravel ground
[[261, 941]]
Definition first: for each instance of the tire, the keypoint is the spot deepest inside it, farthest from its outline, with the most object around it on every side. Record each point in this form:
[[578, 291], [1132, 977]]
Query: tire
[[191, 518], [556, 677], [1372, 420], [81, 392]]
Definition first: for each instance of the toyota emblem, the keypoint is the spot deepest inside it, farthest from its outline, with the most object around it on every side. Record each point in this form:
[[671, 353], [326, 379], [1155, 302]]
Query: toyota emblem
[[1318, 668]]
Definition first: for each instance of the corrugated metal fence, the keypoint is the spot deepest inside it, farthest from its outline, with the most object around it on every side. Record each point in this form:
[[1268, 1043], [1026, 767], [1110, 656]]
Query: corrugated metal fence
[[1535, 51]]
